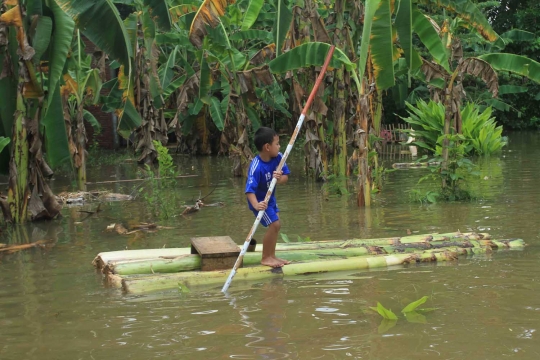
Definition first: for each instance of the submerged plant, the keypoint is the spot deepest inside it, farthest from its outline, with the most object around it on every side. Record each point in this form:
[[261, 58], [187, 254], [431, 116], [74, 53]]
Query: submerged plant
[[160, 194], [335, 185], [411, 313]]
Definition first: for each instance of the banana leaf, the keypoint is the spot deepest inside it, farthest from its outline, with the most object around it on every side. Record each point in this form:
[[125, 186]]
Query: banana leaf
[[166, 72], [253, 117], [87, 115], [282, 23], [56, 138], [216, 114], [469, 12], [206, 80], [159, 11], [309, 54], [430, 38], [60, 46], [251, 14], [516, 64], [42, 37], [404, 30], [381, 46], [4, 141], [208, 15], [369, 12], [100, 22]]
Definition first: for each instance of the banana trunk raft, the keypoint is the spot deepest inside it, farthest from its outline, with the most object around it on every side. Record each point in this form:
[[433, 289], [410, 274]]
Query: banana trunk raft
[[150, 270]]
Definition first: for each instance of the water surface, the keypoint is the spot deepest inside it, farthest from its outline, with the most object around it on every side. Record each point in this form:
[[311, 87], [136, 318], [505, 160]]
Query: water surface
[[53, 305]]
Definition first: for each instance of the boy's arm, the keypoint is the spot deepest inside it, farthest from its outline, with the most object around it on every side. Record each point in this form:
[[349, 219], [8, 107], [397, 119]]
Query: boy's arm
[[253, 201]]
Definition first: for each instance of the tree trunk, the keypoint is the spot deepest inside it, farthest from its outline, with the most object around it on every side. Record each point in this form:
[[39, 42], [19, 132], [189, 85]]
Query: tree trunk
[[339, 143], [19, 193], [80, 164], [363, 198]]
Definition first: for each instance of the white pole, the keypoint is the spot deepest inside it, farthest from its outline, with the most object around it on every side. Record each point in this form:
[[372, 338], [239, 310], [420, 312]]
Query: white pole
[[280, 166]]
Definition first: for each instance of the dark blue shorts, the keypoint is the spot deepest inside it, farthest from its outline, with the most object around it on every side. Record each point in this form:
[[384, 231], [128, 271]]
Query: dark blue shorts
[[269, 216]]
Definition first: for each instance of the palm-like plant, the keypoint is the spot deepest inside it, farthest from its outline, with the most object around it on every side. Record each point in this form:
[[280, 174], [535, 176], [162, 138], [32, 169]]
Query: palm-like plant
[[36, 40]]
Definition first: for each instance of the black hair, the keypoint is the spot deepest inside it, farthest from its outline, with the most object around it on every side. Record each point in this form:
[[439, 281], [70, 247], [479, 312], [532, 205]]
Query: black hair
[[264, 135]]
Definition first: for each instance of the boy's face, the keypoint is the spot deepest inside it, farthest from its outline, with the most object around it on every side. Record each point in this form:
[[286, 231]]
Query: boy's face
[[273, 148]]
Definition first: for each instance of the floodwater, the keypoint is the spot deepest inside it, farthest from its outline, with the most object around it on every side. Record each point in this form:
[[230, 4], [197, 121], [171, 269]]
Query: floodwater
[[53, 305]]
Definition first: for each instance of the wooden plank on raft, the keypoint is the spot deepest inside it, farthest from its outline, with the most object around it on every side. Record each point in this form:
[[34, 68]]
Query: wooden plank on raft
[[217, 252]]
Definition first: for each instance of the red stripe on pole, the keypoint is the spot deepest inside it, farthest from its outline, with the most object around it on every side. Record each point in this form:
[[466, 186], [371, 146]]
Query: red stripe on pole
[[319, 79]]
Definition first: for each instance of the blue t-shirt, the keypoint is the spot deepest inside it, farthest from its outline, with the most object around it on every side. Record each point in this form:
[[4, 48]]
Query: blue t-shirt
[[260, 176]]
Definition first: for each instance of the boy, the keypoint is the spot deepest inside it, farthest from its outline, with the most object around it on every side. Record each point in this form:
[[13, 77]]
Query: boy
[[261, 171]]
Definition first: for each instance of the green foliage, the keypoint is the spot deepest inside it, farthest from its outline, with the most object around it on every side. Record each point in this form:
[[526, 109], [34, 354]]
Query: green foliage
[[165, 161], [485, 137], [387, 314], [453, 178], [427, 121], [335, 185], [507, 16], [415, 304], [159, 192], [424, 197], [4, 141], [411, 313], [481, 135]]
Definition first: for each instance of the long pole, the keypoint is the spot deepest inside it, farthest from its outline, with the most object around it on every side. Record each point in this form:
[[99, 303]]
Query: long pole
[[282, 162]]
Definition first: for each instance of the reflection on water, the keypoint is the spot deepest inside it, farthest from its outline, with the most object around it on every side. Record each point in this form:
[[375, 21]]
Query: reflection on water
[[54, 306]]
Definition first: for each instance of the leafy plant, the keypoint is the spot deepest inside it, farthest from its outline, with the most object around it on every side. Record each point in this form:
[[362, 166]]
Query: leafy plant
[[427, 120], [453, 178], [159, 195], [480, 136], [4, 141], [165, 161], [424, 197], [387, 314], [485, 137], [411, 312], [335, 185]]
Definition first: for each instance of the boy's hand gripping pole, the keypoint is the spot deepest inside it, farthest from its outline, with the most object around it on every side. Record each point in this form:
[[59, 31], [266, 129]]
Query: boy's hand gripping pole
[[282, 162]]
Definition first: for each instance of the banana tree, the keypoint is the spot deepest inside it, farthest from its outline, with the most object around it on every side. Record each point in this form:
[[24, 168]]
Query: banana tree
[[228, 84], [118, 41], [446, 78], [82, 86], [36, 39], [147, 86]]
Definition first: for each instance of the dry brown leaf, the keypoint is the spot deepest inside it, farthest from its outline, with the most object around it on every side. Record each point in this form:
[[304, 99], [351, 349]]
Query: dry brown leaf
[[207, 15]]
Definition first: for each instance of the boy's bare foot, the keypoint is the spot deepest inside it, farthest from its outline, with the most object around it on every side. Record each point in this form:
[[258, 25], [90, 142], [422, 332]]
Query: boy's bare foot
[[282, 261], [272, 262]]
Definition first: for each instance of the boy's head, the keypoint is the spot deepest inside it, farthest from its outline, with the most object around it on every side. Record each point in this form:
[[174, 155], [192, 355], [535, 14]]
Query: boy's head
[[267, 140]]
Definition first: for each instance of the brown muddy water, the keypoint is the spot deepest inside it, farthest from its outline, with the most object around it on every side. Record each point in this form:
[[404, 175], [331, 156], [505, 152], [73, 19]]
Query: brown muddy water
[[53, 305]]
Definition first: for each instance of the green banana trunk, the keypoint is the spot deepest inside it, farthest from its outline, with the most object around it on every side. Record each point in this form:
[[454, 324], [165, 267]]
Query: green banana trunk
[[102, 259], [193, 262], [18, 180], [149, 283]]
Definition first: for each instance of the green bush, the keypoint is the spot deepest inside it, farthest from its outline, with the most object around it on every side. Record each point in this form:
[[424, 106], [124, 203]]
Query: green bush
[[481, 131], [427, 120], [481, 135]]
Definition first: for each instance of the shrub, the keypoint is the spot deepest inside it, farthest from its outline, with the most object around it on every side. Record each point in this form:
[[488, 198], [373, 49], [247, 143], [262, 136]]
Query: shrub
[[481, 135]]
